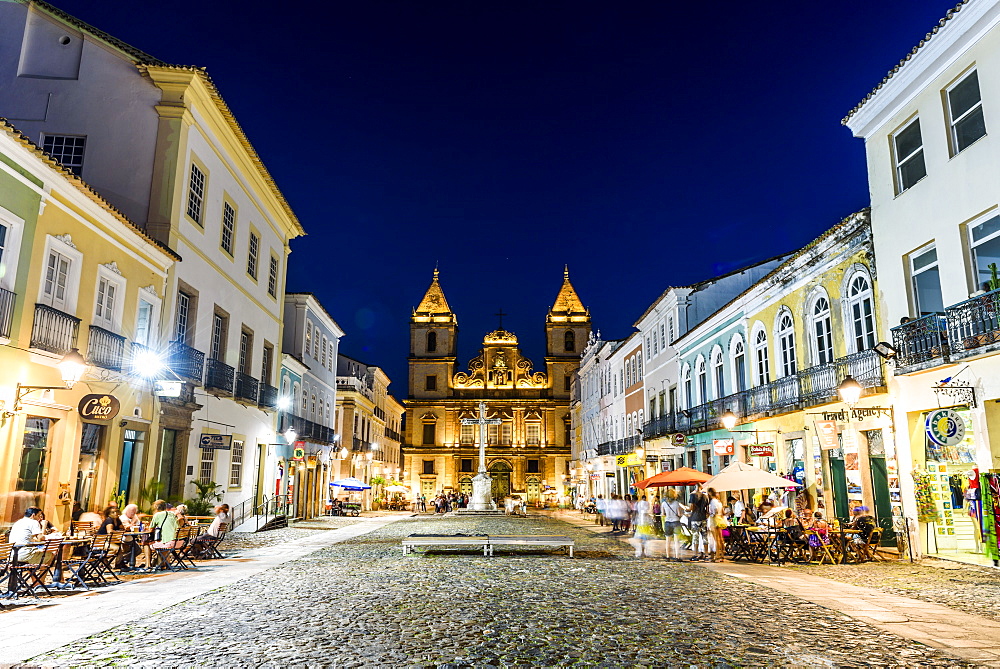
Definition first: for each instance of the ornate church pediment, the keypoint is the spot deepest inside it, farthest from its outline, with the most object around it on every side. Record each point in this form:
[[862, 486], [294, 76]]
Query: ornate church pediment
[[500, 365]]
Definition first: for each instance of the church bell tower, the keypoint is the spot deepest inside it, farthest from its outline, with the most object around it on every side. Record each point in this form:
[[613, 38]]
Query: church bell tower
[[567, 327], [433, 344]]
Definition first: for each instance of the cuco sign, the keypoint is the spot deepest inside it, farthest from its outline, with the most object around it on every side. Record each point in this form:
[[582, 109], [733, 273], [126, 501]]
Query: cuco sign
[[99, 407], [945, 427]]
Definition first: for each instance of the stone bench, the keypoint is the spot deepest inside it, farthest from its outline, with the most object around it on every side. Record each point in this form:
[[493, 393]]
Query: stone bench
[[487, 542]]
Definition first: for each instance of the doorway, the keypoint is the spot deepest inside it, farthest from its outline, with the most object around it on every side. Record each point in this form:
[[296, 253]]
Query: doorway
[[500, 473], [90, 445], [130, 475]]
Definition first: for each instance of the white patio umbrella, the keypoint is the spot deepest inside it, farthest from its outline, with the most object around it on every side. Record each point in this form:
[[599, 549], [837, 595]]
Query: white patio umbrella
[[397, 488], [743, 476], [351, 483]]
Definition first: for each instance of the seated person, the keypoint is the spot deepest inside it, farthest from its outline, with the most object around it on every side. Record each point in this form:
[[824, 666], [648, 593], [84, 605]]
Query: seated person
[[180, 511], [793, 528], [111, 522], [166, 522], [130, 517], [864, 522], [212, 534], [25, 531]]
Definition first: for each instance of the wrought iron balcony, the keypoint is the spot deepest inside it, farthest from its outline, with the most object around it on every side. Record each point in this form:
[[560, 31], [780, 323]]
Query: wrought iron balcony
[[305, 429], [7, 300], [186, 362], [105, 349], [219, 376], [246, 388], [921, 341], [807, 388], [619, 446], [974, 324], [54, 330], [268, 397]]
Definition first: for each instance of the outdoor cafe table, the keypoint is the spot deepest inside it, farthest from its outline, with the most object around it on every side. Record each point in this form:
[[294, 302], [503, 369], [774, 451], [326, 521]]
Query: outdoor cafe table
[[758, 544], [846, 535], [136, 544]]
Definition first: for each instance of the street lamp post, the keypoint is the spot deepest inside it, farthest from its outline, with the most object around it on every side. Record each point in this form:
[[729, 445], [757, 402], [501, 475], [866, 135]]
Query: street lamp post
[[850, 392]]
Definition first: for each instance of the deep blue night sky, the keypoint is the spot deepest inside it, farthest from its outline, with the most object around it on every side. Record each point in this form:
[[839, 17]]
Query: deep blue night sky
[[647, 144]]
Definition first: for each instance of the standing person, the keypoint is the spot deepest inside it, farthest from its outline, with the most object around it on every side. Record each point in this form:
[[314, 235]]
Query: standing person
[[601, 505], [644, 531], [671, 511], [738, 508], [698, 522], [614, 509], [628, 513], [423, 503], [716, 521]]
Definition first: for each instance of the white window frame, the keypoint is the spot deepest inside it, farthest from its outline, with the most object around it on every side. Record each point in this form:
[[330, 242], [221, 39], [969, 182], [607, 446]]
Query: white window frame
[[69, 302], [952, 121], [236, 464], [307, 341], [784, 334], [206, 465], [701, 379], [820, 326], [196, 201], [761, 357], [11, 252], [977, 285], [738, 346], [253, 254], [118, 305], [230, 228], [273, 267], [718, 363], [153, 334], [900, 161], [687, 387], [932, 265], [848, 305]]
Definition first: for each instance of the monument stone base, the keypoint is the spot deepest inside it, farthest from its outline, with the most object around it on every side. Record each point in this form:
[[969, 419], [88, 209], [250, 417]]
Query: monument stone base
[[480, 512]]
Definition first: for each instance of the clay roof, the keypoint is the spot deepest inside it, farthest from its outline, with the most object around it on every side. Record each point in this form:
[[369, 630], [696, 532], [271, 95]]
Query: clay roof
[[913, 52], [567, 301], [82, 186], [434, 302]]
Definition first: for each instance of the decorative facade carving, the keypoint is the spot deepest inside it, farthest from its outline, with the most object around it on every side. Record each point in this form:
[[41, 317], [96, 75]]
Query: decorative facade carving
[[65, 239], [113, 267]]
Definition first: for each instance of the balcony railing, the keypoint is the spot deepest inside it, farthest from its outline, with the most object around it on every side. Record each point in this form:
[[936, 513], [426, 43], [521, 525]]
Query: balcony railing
[[7, 299], [246, 388], [619, 446], [268, 397], [807, 388], [974, 324], [921, 340], [305, 429], [105, 349], [54, 330], [186, 362], [219, 376]]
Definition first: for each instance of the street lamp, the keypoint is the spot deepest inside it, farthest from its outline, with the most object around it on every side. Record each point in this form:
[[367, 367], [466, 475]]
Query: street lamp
[[343, 453], [850, 391], [729, 420], [290, 435], [71, 369]]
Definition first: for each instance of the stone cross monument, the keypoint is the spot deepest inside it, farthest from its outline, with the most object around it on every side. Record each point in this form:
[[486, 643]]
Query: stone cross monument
[[482, 484]]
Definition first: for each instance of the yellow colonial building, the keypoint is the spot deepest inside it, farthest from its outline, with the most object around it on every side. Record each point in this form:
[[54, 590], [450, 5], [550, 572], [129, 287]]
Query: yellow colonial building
[[79, 283], [811, 325], [528, 452]]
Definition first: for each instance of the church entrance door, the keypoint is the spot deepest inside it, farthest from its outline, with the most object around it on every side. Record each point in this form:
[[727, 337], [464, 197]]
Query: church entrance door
[[500, 473]]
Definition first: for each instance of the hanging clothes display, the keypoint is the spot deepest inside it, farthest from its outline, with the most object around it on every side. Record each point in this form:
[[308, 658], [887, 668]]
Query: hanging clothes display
[[957, 486], [926, 509], [989, 485]]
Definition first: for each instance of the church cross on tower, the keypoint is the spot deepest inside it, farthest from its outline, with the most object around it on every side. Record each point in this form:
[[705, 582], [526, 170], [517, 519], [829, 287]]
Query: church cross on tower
[[501, 314]]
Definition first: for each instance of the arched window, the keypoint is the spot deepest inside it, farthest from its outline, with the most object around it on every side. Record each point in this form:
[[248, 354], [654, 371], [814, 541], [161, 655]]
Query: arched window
[[821, 331], [638, 367], [688, 390], [702, 378], [314, 406], [569, 341], [718, 373], [305, 400], [738, 355], [432, 341], [309, 337], [762, 366], [862, 312], [786, 343]]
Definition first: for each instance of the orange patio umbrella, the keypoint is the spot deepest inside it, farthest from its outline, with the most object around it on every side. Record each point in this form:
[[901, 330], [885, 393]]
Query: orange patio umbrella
[[682, 476]]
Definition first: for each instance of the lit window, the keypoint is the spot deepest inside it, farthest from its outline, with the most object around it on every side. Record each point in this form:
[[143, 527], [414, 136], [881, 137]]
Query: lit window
[[965, 107], [68, 150], [909, 154]]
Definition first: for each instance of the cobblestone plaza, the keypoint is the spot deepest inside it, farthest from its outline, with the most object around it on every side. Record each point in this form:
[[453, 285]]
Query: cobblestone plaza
[[360, 602]]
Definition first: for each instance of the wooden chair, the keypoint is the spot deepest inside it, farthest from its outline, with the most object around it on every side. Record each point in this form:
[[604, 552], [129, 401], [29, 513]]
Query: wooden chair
[[826, 550], [210, 550], [874, 543], [86, 526], [32, 575]]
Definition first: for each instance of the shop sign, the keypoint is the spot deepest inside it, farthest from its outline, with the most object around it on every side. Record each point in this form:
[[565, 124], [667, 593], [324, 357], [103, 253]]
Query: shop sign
[[678, 439], [595, 477], [826, 431], [849, 440], [629, 460], [221, 442], [312, 461], [761, 450], [945, 427], [724, 446], [99, 407], [299, 451]]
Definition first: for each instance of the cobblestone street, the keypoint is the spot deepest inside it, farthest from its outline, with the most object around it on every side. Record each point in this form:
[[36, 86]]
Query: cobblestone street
[[362, 602]]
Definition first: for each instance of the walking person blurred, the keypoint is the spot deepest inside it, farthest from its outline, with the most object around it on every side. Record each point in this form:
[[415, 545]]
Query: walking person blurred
[[671, 511], [644, 531], [698, 522], [716, 521]]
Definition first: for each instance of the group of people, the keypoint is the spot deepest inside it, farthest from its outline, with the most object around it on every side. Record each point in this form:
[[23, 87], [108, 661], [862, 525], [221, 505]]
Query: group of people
[[445, 503], [161, 533], [701, 523]]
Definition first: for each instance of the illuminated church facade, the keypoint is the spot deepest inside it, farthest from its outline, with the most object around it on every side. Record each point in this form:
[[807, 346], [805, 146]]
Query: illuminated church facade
[[528, 452]]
